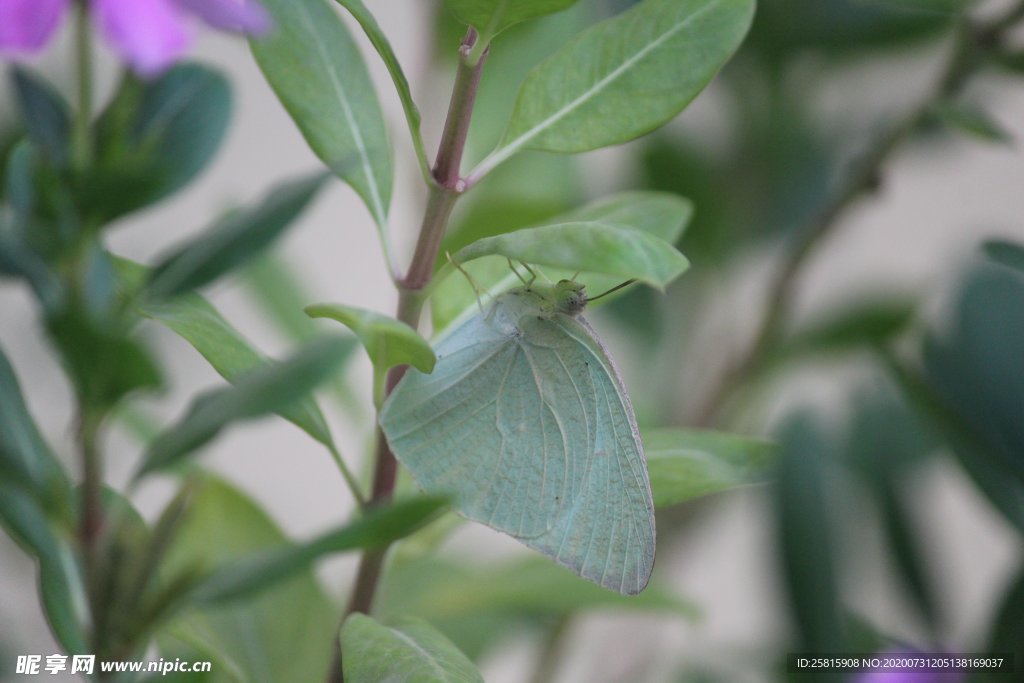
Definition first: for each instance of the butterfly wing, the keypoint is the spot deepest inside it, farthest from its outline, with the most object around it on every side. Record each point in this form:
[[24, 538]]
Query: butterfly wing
[[528, 426], [478, 428]]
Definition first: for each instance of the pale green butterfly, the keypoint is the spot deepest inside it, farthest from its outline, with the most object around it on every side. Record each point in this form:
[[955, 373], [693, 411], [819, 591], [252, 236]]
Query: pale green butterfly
[[526, 422]]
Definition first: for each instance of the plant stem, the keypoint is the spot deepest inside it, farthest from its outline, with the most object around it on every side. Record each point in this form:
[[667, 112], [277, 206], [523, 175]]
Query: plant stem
[[551, 653], [443, 193], [82, 150], [972, 42]]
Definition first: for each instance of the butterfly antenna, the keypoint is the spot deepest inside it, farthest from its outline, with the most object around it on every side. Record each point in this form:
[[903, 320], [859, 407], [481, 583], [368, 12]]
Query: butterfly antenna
[[476, 288], [616, 288]]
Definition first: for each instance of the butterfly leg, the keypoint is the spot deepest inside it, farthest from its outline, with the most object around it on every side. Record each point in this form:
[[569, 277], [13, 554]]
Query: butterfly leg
[[469, 278]]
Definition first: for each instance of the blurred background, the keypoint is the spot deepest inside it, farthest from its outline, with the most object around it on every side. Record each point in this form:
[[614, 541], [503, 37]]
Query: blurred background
[[873, 526]]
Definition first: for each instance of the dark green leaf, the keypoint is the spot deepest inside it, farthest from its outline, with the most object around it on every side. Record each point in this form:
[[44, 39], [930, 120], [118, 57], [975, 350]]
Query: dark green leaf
[[376, 528], [1007, 635], [1009, 254], [406, 649], [687, 464], [263, 390], [103, 362], [807, 543], [905, 541], [284, 634], [318, 73], [389, 342], [25, 458], [155, 137], [623, 78], [491, 17], [196, 321], [233, 240], [45, 114], [603, 248]]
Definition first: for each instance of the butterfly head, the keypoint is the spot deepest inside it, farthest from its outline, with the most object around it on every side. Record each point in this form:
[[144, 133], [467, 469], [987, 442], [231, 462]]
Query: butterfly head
[[569, 297]]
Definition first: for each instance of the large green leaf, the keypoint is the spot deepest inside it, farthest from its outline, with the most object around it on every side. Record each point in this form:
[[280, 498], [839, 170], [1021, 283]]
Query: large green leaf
[[624, 77], [196, 321], [284, 634], [404, 649], [491, 17], [687, 464], [389, 342], [232, 240], [662, 214], [591, 247], [155, 137], [1010, 254], [373, 31], [376, 528], [263, 390], [1007, 635], [25, 458], [315, 67]]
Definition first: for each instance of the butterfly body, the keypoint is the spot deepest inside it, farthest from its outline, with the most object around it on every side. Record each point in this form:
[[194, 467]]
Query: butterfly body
[[526, 423]]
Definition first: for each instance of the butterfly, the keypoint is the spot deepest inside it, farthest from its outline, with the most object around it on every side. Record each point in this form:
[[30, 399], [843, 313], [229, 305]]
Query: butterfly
[[526, 423]]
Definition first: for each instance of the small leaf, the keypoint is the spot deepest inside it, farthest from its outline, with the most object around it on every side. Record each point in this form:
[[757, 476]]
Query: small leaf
[[45, 114], [1009, 254], [376, 528], [264, 390], [284, 634], [407, 649], [624, 77], [155, 137], [195, 320], [232, 240], [318, 73], [687, 464], [1007, 634], [491, 17], [25, 457], [604, 248], [973, 121], [389, 342]]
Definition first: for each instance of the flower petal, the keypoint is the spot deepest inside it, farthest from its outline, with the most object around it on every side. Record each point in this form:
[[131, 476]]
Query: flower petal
[[149, 34], [27, 25], [242, 16]]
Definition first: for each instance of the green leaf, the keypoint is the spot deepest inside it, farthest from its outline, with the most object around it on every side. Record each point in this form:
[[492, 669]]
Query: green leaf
[[662, 214], [604, 248], [973, 121], [103, 362], [25, 458], [233, 240], [318, 73], [263, 390], [624, 77], [389, 342], [45, 114], [1007, 634], [155, 137], [1009, 254], [406, 649], [195, 320], [376, 528], [808, 538], [284, 634], [380, 43], [687, 464], [491, 17], [60, 580]]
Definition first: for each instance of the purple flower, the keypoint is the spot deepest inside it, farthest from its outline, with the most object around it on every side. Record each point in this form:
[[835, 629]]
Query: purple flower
[[150, 35]]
